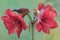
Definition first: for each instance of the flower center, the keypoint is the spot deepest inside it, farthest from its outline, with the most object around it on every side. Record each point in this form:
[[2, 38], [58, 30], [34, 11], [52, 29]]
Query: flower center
[[40, 12], [37, 18]]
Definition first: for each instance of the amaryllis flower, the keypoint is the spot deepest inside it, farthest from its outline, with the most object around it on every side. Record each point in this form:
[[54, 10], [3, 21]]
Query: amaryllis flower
[[13, 22], [45, 19]]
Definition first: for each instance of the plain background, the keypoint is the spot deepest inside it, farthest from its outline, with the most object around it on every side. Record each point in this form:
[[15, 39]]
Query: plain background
[[30, 4]]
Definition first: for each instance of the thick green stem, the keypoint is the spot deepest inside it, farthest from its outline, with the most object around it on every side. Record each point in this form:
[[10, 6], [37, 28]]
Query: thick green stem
[[18, 39], [29, 17], [32, 23], [29, 22], [32, 32]]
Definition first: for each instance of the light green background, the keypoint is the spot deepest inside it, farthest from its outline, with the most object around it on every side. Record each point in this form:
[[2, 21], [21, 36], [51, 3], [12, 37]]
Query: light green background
[[30, 4]]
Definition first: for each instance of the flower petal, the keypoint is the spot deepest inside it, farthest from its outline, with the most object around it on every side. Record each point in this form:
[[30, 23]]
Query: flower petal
[[48, 7], [22, 21], [10, 13], [19, 31], [38, 26], [9, 25], [51, 14], [40, 6], [6, 20], [52, 24], [45, 29]]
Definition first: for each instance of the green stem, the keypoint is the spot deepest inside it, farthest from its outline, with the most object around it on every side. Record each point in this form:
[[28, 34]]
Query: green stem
[[32, 23], [29, 27], [29, 22], [29, 17], [18, 39], [32, 32]]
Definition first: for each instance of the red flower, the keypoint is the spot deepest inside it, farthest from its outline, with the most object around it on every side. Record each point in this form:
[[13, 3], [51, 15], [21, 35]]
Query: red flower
[[40, 6], [14, 22], [46, 19]]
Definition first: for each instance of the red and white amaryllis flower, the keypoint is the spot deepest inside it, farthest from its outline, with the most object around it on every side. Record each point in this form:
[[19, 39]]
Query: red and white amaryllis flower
[[13, 22], [45, 19]]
